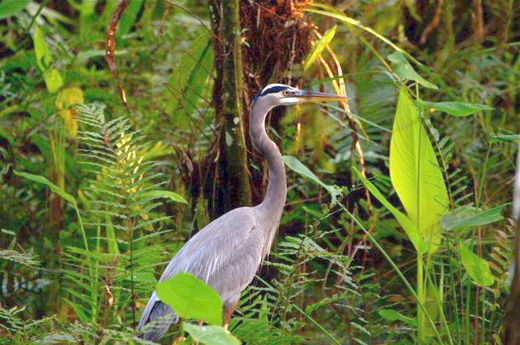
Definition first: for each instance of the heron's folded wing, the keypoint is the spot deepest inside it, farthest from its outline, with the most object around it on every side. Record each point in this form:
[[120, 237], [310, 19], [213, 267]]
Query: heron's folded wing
[[225, 254]]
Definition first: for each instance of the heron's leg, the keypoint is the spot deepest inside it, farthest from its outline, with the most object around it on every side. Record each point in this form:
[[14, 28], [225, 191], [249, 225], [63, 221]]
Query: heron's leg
[[228, 310]]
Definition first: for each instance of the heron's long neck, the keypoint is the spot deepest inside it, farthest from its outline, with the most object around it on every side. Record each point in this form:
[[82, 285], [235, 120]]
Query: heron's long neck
[[274, 200]]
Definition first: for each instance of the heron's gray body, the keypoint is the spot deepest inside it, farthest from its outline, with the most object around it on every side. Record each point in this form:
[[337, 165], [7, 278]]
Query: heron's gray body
[[227, 252], [246, 243]]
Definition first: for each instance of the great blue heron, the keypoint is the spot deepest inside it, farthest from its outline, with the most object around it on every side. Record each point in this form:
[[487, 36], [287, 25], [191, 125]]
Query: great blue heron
[[227, 252]]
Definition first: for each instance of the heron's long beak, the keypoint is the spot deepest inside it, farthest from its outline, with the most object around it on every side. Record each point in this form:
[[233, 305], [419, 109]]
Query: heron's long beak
[[316, 96]]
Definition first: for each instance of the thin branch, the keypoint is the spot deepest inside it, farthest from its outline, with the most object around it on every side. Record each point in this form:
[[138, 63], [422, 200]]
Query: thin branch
[[110, 56], [434, 23]]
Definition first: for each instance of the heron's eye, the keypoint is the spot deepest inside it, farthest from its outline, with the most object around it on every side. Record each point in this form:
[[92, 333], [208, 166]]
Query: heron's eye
[[285, 93]]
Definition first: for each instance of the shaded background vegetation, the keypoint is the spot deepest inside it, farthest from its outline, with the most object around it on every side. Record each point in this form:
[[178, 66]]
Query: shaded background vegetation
[[79, 260]]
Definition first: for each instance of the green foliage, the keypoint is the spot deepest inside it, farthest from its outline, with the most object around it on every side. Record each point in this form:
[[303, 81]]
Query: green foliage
[[477, 268], [211, 335], [294, 164], [11, 7], [469, 216], [405, 71], [190, 298], [319, 46], [415, 172], [455, 108], [95, 198]]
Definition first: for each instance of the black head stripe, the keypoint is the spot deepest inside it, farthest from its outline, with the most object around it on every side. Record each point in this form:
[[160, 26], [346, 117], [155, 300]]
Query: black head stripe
[[273, 89], [254, 98]]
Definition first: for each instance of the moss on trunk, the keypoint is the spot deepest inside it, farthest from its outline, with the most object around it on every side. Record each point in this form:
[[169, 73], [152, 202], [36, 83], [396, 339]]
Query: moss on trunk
[[232, 186]]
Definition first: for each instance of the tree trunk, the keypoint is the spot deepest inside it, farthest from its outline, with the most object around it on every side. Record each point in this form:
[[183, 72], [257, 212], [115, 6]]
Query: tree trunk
[[511, 323], [231, 187]]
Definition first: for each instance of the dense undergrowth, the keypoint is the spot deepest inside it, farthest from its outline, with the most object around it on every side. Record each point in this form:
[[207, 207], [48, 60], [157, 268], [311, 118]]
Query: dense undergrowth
[[396, 225]]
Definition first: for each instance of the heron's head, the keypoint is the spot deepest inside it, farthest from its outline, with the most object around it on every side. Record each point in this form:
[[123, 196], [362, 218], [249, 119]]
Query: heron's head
[[280, 94]]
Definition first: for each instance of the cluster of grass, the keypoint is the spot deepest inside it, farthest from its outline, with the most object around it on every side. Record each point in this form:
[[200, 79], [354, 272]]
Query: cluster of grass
[[395, 228]]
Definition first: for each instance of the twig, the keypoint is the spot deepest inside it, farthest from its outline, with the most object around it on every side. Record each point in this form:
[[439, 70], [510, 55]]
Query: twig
[[434, 23], [339, 87], [478, 21], [110, 56], [163, 19]]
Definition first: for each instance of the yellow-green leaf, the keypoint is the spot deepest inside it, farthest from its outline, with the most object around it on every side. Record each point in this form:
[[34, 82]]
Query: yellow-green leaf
[[53, 80], [332, 12], [415, 172], [409, 227], [405, 71], [41, 50], [191, 298], [317, 49], [477, 268], [210, 335], [68, 97], [156, 194]]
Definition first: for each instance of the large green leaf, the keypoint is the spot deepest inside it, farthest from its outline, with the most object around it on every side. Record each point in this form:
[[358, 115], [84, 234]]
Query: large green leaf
[[52, 77], [455, 108], [408, 226], [405, 71], [210, 335], [415, 172], [477, 268], [10, 7], [294, 164], [317, 49], [463, 217], [191, 298], [45, 181]]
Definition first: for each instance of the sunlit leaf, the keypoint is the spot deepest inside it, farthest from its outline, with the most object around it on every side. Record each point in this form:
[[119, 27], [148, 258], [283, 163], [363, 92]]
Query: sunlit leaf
[[317, 49], [415, 172], [477, 268], [191, 298], [65, 99], [156, 194], [294, 164], [331, 11], [11, 7], [41, 50], [53, 80], [68, 97], [469, 216], [393, 315], [210, 335], [405, 71], [455, 108], [408, 226]]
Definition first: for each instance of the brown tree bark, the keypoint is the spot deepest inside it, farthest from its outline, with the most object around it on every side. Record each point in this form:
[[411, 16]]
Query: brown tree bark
[[231, 187]]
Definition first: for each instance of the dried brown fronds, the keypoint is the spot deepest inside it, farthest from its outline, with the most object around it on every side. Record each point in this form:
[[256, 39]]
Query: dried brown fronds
[[276, 36]]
